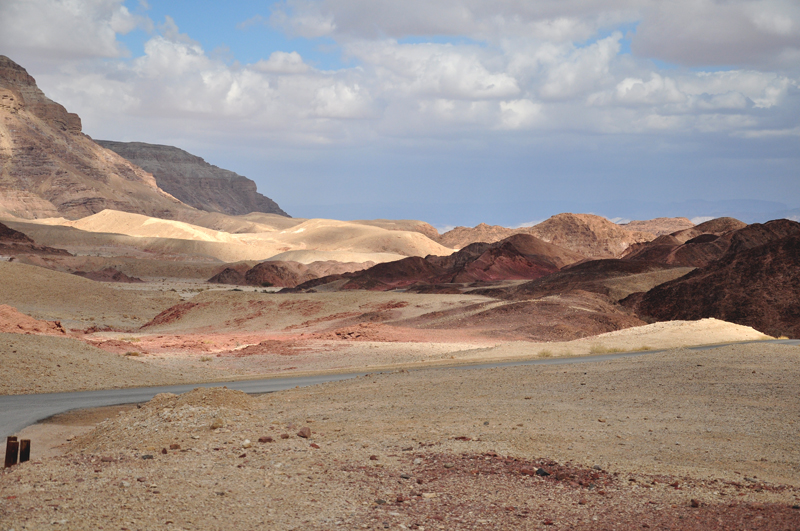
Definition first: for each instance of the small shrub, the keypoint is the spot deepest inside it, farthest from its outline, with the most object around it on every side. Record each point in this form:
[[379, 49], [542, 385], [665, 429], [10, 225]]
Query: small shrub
[[644, 348], [132, 354], [545, 354], [266, 284], [205, 358]]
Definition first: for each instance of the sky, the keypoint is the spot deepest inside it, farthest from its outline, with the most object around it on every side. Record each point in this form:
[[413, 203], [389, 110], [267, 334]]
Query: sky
[[455, 112]]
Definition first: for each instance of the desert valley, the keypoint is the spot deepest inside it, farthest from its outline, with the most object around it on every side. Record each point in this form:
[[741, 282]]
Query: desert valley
[[128, 265]]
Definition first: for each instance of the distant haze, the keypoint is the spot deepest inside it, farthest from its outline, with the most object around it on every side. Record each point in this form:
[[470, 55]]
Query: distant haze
[[452, 111]]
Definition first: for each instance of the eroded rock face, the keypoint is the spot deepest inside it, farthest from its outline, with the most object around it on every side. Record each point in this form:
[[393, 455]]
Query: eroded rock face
[[48, 168], [194, 181]]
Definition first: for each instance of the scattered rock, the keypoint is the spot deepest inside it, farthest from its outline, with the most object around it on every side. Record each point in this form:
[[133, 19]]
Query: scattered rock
[[542, 472], [373, 458], [164, 451], [265, 439], [174, 446], [694, 503], [449, 465], [314, 445], [107, 459], [147, 456], [284, 435], [216, 424], [305, 432]]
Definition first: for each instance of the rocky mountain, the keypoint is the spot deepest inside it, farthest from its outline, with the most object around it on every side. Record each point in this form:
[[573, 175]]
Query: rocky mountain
[[194, 181], [48, 168], [755, 283], [589, 235]]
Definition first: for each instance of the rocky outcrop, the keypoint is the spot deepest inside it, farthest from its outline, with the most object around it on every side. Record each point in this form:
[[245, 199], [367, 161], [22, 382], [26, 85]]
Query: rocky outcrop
[[108, 274], [48, 168], [755, 283], [194, 181]]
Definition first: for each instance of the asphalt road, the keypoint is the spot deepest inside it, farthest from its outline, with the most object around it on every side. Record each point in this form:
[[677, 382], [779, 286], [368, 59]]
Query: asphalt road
[[20, 411]]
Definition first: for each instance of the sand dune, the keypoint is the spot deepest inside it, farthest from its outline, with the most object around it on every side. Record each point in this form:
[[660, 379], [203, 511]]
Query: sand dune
[[359, 242]]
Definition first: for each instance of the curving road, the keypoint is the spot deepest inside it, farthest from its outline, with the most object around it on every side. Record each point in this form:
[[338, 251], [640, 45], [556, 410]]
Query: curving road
[[20, 411]]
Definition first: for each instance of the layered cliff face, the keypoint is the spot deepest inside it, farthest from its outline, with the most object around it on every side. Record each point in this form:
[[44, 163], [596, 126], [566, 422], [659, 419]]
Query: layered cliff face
[[48, 168], [194, 181]]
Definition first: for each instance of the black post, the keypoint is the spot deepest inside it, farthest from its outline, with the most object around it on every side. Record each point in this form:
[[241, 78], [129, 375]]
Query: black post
[[12, 447], [24, 450]]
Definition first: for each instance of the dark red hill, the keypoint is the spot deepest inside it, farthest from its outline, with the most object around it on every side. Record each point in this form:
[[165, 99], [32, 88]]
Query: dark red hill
[[709, 241], [753, 285], [518, 257]]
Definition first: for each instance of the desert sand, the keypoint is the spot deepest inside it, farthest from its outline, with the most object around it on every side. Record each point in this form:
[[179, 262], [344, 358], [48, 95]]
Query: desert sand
[[680, 440]]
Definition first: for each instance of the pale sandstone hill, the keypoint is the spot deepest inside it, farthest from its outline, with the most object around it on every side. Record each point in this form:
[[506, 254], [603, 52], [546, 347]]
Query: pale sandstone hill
[[587, 234], [49, 168], [658, 226], [194, 181], [460, 237]]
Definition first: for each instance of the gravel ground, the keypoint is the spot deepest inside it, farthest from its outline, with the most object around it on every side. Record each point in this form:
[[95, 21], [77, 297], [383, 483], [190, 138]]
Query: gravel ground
[[680, 440]]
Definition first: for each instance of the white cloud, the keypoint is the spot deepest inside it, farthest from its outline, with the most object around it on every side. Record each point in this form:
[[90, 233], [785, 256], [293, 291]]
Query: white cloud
[[282, 63], [523, 67], [53, 31]]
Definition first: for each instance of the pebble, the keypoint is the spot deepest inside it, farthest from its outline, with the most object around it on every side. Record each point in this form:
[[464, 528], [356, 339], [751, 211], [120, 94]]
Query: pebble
[[124, 484], [305, 432], [314, 445], [247, 443], [265, 439], [217, 424], [542, 472], [694, 503], [417, 461], [284, 435], [147, 456], [174, 446]]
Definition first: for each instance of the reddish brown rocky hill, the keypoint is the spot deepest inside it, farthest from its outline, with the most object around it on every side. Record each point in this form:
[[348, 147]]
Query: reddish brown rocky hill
[[587, 234], [194, 181], [520, 256], [284, 274], [48, 168], [753, 285], [707, 242]]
